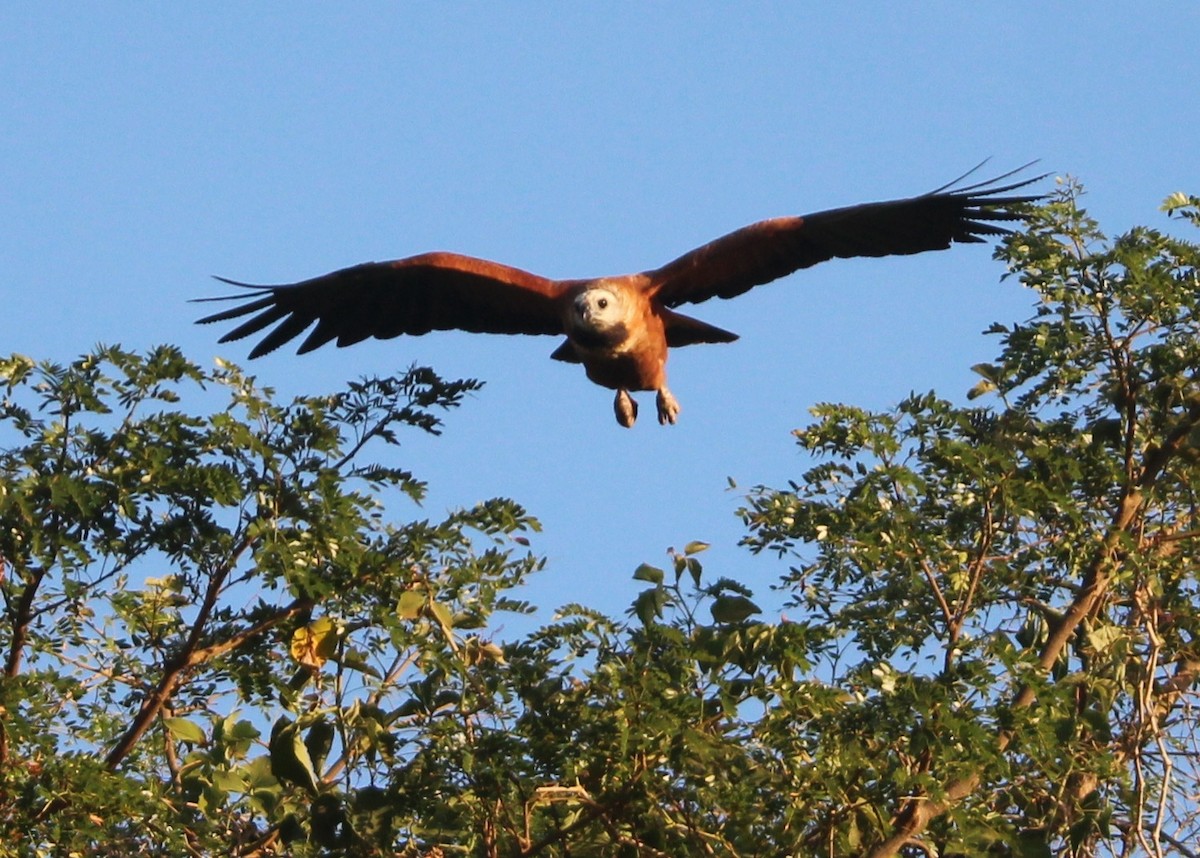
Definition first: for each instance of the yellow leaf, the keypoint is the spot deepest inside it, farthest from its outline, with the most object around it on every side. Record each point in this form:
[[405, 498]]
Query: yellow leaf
[[312, 645]]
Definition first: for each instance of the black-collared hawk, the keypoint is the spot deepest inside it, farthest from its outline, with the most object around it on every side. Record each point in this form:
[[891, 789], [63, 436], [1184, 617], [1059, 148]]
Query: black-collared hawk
[[620, 328]]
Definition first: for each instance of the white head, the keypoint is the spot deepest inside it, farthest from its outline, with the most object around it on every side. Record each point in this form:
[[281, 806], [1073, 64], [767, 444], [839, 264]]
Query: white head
[[599, 317], [598, 308]]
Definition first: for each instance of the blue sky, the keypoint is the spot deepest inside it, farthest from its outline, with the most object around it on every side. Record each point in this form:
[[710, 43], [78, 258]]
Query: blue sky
[[145, 147]]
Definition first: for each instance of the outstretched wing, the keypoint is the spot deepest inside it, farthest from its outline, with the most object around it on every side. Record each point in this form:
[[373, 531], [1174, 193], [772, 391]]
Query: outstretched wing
[[770, 249], [434, 291]]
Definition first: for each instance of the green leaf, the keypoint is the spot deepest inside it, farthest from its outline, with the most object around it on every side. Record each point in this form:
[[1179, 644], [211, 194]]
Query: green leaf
[[318, 741], [1031, 844], [354, 659], [185, 730], [289, 756], [990, 372], [442, 614], [981, 388], [1105, 636], [732, 609], [237, 735], [649, 605], [646, 572], [411, 604], [229, 781]]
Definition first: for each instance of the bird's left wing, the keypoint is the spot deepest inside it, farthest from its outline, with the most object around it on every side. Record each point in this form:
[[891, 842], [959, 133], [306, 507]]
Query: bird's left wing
[[771, 249], [434, 291]]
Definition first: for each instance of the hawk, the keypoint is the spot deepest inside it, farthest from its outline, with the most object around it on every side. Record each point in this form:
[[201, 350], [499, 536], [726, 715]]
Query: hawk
[[619, 328]]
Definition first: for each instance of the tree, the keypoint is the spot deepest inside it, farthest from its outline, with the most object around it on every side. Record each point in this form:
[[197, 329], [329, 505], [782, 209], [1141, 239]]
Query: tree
[[174, 583], [221, 637], [1015, 585]]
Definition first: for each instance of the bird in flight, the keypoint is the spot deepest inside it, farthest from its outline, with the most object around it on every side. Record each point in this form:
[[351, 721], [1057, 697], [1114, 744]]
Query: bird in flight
[[619, 328]]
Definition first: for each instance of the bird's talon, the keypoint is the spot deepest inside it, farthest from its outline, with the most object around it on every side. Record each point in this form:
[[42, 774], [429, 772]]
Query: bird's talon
[[626, 408], [668, 407]]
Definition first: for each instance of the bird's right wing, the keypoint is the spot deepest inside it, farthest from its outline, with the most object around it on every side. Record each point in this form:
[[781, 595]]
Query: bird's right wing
[[434, 291], [771, 249]]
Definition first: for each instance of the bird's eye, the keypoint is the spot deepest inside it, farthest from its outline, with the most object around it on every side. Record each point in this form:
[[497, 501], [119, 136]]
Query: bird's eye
[[602, 303]]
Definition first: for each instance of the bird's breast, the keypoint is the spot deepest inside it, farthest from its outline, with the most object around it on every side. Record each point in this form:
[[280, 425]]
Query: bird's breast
[[632, 364], [607, 339], [623, 370]]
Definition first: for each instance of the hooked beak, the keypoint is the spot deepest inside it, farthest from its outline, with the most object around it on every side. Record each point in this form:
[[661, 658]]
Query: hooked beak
[[583, 310]]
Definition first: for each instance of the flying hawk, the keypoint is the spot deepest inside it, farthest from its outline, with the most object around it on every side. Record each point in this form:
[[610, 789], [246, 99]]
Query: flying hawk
[[619, 328]]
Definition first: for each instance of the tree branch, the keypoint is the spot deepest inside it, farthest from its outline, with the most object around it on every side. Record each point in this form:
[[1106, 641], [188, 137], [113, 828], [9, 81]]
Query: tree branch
[[918, 811], [176, 670]]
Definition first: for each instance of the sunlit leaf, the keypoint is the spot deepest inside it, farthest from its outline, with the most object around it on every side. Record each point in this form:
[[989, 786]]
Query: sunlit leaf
[[442, 614], [411, 604], [645, 572], [185, 730], [314, 644]]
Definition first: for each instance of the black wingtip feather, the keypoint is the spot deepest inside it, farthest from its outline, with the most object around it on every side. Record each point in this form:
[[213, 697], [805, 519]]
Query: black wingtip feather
[[988, 187], [271, 314], [983, 211], [240, 284], [238, 311], [284, 331], [261, 289], [317, 337]]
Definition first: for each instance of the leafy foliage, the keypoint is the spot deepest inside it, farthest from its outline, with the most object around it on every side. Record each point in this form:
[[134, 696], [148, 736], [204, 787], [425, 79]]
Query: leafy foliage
[[221, 638], [1016, 584], [174, 584]]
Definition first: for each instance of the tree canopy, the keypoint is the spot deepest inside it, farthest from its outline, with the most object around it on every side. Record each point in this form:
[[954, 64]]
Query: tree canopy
[[221, 636]]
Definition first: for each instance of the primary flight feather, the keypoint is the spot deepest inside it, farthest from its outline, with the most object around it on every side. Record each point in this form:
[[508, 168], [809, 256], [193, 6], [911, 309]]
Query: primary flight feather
[[620, 328]]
